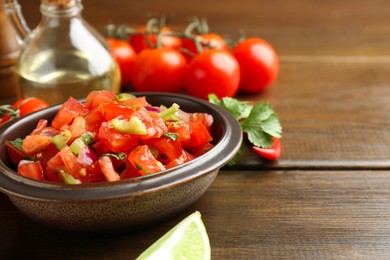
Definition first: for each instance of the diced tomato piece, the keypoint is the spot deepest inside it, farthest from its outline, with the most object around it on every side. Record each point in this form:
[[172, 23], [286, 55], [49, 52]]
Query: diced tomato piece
[[108, 169], [143, 160], [68, 111], [31, 170], [184, 157], [32, 144], [41, 125], [14, 154], [168, 148], [44, 156], [52, 167], [155, 126], [94, 174], [95, 98], [199, 134], [78, 126], [72, 166], [94, 120], [201, 149], [111, 110], [130, 172], [135, 103], [114, 141], [206, 119], [182, 130]]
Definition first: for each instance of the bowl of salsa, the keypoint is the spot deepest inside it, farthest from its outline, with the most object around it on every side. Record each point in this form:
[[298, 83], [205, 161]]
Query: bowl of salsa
[[115, 162]]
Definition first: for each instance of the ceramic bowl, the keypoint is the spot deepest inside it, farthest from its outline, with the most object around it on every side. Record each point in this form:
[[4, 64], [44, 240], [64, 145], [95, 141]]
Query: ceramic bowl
[[126, 204]]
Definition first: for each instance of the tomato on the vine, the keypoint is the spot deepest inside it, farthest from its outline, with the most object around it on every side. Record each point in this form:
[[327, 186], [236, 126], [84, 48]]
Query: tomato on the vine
[[208, 40], [258, 62], [23, 107], [143, 41], [212, 71], [124, 55], [159, 69]]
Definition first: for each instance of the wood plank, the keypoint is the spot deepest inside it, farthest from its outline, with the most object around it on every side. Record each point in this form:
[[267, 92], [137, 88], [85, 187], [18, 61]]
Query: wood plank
[[334, 114], [248, 215]]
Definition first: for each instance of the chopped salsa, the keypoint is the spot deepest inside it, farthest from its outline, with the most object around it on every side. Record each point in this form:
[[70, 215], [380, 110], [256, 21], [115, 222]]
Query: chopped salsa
[[110, 137]]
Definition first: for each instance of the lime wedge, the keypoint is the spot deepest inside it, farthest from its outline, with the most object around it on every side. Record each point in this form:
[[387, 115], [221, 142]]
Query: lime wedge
[[187, 240]]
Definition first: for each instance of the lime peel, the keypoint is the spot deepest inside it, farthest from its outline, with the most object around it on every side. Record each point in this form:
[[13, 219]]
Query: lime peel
[[187, 240]]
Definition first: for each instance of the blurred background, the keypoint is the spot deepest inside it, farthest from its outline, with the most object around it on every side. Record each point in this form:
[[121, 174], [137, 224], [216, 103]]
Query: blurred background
[[300, 27]]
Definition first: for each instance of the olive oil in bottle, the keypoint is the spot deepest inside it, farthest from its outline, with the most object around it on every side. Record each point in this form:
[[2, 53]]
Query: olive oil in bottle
[[65, 57]]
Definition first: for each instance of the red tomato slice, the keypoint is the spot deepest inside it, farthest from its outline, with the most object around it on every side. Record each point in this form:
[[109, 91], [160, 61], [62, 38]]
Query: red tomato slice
[[108, 169], [32, 170], [68, 111], [71, 165], [143, 160], [94, 120], [155, 126], [199, 134], [114, 141], [95, 98], [15, 154], [134, 103], [32, 144], [111, 110], [168, 149]]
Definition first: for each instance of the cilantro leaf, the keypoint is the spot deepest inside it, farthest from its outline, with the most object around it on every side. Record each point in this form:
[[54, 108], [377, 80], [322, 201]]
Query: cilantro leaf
[[259, 122], [261, 125], [17, 143], [239, 109]]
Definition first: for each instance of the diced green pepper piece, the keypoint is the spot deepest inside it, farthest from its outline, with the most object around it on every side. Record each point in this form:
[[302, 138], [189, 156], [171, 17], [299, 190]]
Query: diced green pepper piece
[[167, 113], [61, 140], [69, 179], [79, 143], [87, 137], [124, 96], [132, 126]]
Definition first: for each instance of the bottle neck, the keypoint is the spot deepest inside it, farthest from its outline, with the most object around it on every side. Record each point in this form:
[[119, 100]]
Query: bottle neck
[[61, 9]]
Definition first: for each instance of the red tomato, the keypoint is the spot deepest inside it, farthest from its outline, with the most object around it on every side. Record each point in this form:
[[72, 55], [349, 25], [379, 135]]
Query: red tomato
[[142, 41], [124, 55], [258, 62], [213, 71], [209, 40], [26, 106], [29, 105], [159, 70]]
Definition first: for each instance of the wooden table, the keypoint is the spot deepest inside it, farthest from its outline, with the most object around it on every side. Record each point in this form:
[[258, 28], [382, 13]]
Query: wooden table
[[329, 194]]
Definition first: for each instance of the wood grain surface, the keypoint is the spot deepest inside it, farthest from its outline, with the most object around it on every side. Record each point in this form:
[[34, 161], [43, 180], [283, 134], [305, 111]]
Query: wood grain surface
[[248, 215], [328, 195]]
